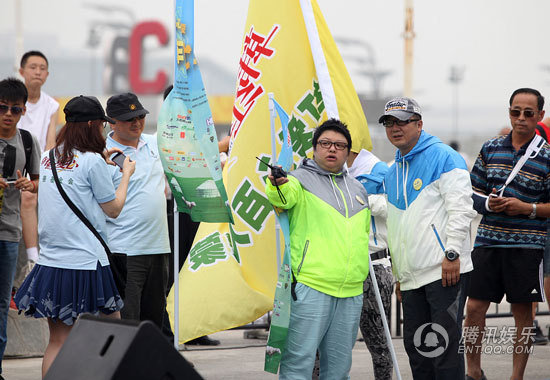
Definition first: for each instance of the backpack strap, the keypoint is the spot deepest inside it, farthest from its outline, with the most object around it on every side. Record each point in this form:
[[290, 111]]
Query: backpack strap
[[27, 145]]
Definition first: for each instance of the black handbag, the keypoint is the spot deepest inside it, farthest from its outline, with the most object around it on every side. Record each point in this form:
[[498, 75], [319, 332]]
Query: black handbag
[[73, 207]]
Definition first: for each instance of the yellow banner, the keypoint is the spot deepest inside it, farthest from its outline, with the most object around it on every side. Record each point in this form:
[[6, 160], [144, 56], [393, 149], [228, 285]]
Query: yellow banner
[[230, 275]]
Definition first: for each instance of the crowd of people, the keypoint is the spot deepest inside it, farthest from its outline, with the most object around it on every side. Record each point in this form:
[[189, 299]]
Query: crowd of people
[[80, 186], [423, 220], [346, 207]]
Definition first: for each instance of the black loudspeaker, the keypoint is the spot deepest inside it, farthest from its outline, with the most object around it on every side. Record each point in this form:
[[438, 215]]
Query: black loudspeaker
[[108, 349]]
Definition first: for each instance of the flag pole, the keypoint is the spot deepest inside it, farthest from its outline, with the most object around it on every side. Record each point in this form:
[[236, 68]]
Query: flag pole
[[176, 235], [384, 319], [272, 116]]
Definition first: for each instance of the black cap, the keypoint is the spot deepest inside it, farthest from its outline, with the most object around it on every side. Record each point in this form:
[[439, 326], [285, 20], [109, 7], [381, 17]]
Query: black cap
[[85, 108], [125, 107]]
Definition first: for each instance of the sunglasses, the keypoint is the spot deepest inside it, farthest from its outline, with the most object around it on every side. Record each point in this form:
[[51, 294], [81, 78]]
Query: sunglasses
[[337, 145], [390, 123], [15, 110], [140, 117], [526, 113]]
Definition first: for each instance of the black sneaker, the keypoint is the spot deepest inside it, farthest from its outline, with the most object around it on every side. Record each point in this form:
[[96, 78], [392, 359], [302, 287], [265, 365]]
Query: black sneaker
[[539, 339], [481, 378], [204, 341]]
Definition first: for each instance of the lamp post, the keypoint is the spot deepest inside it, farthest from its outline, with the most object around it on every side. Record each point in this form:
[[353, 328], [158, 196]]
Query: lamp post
[[455, 77], [19, 46], [368, 64], [545, 68]]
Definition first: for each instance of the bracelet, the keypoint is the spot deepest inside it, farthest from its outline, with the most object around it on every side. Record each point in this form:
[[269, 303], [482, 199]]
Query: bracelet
[[533, 213], [33, 187]]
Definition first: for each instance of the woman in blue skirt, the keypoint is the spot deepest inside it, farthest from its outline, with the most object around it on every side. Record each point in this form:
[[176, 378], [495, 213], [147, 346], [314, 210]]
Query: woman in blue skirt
[[72, 275]]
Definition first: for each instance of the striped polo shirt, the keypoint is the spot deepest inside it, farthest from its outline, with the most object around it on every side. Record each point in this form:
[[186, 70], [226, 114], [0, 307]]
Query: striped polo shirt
[[494, 164]]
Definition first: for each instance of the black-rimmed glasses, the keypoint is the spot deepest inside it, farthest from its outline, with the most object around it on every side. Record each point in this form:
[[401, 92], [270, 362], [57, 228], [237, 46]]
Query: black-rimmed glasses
[[337, 145]]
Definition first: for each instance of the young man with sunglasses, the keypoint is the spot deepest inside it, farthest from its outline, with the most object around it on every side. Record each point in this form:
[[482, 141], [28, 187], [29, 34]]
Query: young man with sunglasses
[[138, 237], [511, 237], [13, 96], [329, 235], [429, 214]]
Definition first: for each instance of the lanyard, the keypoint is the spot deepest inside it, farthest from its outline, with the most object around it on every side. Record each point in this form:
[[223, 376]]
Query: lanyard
[[531, 152]]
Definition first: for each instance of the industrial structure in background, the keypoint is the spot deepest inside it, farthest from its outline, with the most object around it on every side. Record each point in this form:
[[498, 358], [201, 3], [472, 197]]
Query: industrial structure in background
[[120, 59], [121, 52]]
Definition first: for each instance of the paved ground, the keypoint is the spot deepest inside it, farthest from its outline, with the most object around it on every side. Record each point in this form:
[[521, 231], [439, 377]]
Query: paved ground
[[242, 359]]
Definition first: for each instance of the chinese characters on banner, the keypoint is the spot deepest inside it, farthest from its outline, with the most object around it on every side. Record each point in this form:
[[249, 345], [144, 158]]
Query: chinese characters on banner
[[255, 46], [230, 276]]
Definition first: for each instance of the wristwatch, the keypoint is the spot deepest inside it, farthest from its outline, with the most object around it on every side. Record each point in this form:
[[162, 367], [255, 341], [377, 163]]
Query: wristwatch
[[533, 213], [451, 254]]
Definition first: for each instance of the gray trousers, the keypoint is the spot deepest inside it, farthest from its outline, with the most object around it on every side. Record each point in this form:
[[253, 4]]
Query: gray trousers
[[371, 321]]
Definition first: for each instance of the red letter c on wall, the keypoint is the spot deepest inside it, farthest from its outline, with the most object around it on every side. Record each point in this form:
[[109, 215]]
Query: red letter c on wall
[[137, 83]]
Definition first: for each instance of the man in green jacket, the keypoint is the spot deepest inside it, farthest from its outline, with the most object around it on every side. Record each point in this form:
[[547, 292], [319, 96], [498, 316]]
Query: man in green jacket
[[329, 235]]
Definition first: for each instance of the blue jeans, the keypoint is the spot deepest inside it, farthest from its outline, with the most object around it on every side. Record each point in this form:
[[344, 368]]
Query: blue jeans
[[320, 321], [8, 261]]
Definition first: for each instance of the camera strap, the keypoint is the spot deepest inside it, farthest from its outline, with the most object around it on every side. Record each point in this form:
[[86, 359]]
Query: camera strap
[[531, 152], [8, 159], [293, 286], [281, 195], [73, 207]]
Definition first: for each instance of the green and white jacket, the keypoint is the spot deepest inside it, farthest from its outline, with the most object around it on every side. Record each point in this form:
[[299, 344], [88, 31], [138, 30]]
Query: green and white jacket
[[329, 228]]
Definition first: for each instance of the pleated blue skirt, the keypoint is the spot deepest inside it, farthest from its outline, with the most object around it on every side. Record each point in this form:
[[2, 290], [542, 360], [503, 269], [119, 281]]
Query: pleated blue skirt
[[64, 294]]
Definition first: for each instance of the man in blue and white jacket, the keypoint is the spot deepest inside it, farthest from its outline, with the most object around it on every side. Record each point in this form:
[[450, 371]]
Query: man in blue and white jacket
[[430, 208]]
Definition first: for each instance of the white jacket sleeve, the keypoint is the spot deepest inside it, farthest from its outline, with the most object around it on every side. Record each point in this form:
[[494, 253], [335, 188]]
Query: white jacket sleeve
[[378, 205], [456, 190]]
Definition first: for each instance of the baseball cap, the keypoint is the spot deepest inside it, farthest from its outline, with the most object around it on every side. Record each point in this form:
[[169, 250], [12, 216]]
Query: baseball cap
[[125, 107], [85, 108], [402, 108]]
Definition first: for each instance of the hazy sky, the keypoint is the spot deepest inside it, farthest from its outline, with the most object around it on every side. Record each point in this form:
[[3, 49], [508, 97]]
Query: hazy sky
[[500, 44]]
